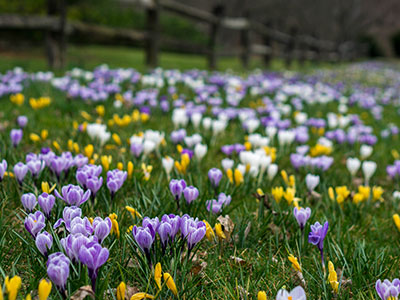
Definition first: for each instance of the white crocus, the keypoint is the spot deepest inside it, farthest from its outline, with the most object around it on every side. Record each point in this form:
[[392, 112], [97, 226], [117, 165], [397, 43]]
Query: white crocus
[[168, 164], [227, 163], [368, 168], [312, 181], [196, 119], [272, 171], [200, 151], [353, 165], [365, 151], [98, 131], [179, 117], [207, 123], [286, 137], [148, 147]]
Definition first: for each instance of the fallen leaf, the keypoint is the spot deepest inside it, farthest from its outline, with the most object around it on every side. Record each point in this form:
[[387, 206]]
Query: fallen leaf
[[82, 293], [227, 226]]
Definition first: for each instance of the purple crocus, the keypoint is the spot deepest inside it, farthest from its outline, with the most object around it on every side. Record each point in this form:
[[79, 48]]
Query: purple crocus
[[388, 290], [46, 203], [22, 121], [192, 230], [3, 169], [215, 176], [73, 195], [115, 180], [58, 164], [217, 205], [34, 223], [137, 149], [94, 184], [69, 213], [190, 193], [16, 136], [58, 270], [317, 236], [102, 228], [81, 225], [302, 215], [20, 171], [93, 256], [28, 201], [44, 242], [165, 232], [144, 237], [74, 242], [35, 166], [174, 221], [176, 187]]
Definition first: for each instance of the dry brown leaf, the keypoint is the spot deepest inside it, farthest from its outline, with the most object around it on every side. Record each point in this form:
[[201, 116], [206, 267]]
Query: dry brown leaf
[[227, 225], [130, 291], [82, 293], [247, 230]]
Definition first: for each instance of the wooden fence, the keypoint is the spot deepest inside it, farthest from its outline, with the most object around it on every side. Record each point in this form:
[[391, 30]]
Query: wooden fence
[[293, 46]]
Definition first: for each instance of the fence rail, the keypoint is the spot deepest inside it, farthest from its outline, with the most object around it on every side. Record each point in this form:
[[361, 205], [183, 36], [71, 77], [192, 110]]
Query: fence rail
[[293, 45]]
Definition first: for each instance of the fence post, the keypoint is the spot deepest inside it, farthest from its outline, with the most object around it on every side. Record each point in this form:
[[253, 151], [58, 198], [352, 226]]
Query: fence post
[[153, 31], [268, 43], [218, 12], [51, 38], [290, 47], [62, 43], [245, 44]]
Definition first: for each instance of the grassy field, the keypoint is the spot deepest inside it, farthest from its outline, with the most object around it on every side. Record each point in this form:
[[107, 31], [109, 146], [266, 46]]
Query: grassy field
[[249, 252], [89, 57]]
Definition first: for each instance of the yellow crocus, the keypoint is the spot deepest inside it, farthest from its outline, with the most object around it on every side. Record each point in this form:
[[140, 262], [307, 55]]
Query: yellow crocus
[[220, 233], [260, 192], [358, 198], [342, 193], [377, 192], [331, 194], [133, 212], [121, 291], [114, 224], [120, 166], [116, 139], [44, 289], [247, 145], [238, 177], [17, 99], [106, 161], [141, 295], [169, 281], [85, 115], [44, 134], [129, 168], [46, 187], [157, 275], [333, 277], [289, 195], [144, 117], [209, 231], [100, 110], [284, 176], [396, 219], [88, 150], [229, 174], [295, 263], [277, 193], [13, 285], [365, 191], [262, 295], [56, 145], [34, 137]]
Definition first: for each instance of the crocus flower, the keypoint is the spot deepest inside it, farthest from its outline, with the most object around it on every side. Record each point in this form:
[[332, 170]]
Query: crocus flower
[[144, 237], [20, 171], [93, 256], [174, 221], [215, 176], [58, 270], [164, 231], [192, 230], [81, 225], [22, 121], [28, 201], [297, 293], [190, 193], [102, 228], [312, 181], [34, 223], [115, 180], [44, 242], [69, 213], [302, 215], [176, 187], [73, 195], [13, 285], [368, 168], [317, 236], [35, 166], [73, 243], [46, 203], [16, 136], [44, 289], [3, 169], [388, 290]]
